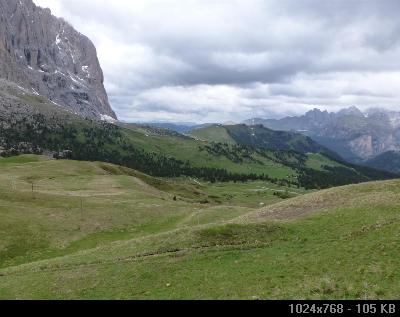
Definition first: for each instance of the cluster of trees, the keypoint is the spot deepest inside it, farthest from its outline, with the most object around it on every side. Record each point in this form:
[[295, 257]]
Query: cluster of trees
[[261, 137], [283, 194], [331, 177], [288, 158], [236, 153], [20, 148], [239, 154]]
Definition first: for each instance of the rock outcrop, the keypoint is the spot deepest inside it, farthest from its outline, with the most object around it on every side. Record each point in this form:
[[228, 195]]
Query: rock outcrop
[[47, 56]]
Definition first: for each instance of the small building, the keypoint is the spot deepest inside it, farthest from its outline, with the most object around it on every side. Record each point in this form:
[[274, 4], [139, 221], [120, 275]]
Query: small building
[[63, 155]]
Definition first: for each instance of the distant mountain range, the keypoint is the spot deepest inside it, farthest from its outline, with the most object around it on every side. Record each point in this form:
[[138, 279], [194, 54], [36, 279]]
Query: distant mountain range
[[359, 137]]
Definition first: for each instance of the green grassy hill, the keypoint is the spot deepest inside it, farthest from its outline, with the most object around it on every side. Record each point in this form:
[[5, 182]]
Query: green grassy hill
[[214, 133], [187, 149], [260, 137], [96, 230], [49, 207]]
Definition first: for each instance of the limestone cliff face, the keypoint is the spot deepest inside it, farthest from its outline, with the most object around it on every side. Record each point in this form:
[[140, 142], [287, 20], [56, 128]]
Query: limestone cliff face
[[363, 146], [47, 56]]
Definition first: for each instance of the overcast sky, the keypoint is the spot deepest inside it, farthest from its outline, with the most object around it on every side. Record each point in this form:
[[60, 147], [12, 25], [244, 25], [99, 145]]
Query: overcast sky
[[220, 60]]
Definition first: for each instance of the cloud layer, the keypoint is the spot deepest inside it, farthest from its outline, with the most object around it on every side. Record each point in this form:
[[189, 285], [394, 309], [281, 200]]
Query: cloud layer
[[206, 60]]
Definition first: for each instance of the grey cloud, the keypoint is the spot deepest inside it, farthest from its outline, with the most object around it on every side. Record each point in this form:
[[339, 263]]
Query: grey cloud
[[252, 57]]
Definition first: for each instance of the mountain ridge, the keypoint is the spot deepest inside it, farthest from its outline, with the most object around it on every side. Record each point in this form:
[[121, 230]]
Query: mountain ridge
[[259, 136], [46, 56], [357, 136]]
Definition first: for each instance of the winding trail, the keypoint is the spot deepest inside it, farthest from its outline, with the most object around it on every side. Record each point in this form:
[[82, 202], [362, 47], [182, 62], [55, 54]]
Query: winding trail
[[142, 257]]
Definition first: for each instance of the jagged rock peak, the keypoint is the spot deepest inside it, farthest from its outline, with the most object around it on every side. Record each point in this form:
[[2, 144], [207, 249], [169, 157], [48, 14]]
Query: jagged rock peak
[[317, 114], [351, 111], [47, 56]]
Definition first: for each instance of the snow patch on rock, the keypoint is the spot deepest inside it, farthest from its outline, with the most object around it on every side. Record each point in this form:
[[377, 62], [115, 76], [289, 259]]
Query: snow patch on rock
[[107, 118]]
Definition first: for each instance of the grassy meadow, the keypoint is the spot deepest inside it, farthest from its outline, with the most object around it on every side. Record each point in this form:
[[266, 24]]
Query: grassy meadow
[[90, 230]]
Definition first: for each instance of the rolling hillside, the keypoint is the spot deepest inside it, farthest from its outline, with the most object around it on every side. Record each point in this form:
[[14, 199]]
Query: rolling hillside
[[53, 207], [99, 231], [260, 137]]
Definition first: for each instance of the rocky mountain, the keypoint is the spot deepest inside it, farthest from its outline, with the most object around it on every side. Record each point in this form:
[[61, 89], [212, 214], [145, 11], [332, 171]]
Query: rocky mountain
[[46, 56], [355, 135]]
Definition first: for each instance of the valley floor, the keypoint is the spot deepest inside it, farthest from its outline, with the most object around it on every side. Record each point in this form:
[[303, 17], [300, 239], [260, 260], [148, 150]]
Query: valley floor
[[80, 230]]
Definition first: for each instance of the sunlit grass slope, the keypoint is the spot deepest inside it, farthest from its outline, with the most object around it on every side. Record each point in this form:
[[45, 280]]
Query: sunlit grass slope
[[132, 240], [50, 207]]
